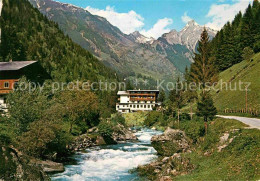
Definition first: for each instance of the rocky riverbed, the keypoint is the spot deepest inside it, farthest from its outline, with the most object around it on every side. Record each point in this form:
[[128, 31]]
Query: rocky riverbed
[[112, 162], [169, 147]]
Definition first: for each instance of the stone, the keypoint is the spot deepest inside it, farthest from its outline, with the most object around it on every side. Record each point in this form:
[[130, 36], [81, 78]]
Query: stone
[[19, 166], [123, 134], [165, 159], [50, 166], [81, 143], [174, 172], [93, 130], [170, 142], [207, 153], [224, 138], [157, 171], [165, 178], [100, 140]]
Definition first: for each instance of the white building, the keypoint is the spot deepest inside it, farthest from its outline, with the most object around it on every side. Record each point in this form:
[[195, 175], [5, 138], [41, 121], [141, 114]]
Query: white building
[[3, 106], [137, 100]]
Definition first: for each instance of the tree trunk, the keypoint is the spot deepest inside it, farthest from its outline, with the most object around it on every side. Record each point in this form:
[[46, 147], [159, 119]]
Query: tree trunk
[[71, 124], [206, 125], [191, 114], [178, 118]]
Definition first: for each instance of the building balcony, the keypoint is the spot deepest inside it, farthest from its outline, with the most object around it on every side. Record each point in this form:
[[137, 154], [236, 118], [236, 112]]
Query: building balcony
[[142, 99], [5, 91], [142, 94]]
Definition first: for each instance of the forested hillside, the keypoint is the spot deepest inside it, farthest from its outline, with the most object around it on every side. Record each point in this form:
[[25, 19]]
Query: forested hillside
[[241, 36], [28, 35], [114, 48]]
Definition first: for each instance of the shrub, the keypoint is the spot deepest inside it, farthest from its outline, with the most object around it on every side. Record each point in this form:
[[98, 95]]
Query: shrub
[[152, 118], [43, 138], [118, 118], [193, 129], [184, 116], [163, 120], [105, 128]]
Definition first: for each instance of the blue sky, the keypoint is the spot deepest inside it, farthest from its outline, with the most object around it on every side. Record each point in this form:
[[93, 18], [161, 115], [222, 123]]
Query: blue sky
[[155, 17]]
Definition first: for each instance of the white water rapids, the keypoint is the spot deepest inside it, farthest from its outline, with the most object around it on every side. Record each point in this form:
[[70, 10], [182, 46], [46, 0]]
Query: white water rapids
[[113, 162]]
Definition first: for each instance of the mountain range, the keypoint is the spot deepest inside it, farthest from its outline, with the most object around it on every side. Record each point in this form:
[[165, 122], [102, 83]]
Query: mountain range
[[129, 55]]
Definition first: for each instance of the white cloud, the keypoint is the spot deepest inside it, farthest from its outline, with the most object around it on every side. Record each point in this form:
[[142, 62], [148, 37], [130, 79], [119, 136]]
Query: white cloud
[[185, 18], [126, 22], [131, 21], [159, 28], [222, 13]]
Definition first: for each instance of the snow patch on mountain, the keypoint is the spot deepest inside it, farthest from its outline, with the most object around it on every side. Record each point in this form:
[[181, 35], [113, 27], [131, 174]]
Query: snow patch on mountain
[[139, 38], [188, 36]]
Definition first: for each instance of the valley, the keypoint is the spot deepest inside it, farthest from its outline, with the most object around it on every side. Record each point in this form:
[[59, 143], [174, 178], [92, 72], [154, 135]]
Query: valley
[[78, 94], [130, 55]]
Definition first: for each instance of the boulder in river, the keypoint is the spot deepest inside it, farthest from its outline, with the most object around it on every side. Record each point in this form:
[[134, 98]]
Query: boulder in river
[[14, 165], [170, 142], [49, 166], [122, 134], [81, 143]]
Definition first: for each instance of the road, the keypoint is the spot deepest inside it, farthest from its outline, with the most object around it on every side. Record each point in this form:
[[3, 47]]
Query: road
[[252, 122]]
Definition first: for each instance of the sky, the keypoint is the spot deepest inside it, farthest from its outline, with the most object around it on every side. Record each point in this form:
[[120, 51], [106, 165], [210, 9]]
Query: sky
[[155, 17]]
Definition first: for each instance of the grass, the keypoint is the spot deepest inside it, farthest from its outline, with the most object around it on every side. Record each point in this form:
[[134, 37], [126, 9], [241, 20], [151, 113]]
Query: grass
[[240, 160], [245, 71], [135, 118]]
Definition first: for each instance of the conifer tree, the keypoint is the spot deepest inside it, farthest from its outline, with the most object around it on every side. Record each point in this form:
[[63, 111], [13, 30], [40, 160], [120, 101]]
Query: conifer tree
[[177, 98], [247, 39], [204, 73], [206, 108], [190, 93], [162, 96], [202, 70]]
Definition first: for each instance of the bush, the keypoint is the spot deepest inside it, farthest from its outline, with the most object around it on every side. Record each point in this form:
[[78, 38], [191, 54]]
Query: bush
[[105, 128], [118, 119], [193, 129], [7, 131], [44, 138], [152, 118], [163, 120], [185, 116]]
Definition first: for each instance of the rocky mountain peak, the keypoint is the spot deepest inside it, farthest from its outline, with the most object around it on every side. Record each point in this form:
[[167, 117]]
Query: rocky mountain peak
[[192, 23], [188, 36], [139, 38], [136, 33]]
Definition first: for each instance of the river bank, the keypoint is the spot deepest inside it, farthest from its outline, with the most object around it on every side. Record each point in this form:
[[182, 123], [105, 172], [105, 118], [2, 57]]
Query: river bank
[[111, 162], [228, 152]]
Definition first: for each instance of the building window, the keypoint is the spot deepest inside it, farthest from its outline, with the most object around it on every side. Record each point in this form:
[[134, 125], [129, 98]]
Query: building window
[[137, 106], [144, 106], [131, 105], [141, 106], [6, 85], [134, 106], [148, 106]]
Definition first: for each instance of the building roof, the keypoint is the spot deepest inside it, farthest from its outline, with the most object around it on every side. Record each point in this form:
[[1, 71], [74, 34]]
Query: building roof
[[14, 65], [143, 90], [122, 93]]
